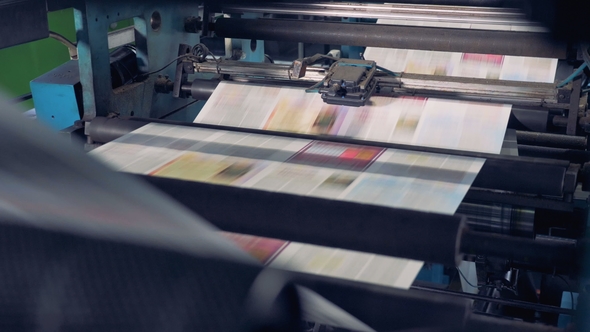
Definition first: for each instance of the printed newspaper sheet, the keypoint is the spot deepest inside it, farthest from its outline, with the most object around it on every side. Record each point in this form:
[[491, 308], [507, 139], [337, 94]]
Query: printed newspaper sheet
[[439, 123], [388, 177]]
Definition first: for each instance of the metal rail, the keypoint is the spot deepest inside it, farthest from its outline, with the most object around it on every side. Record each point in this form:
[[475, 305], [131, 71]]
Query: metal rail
[[507, 302], [476, 89]]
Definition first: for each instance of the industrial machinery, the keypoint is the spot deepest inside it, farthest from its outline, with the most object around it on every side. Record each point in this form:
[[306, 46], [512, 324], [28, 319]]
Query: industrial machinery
[[522, 224]]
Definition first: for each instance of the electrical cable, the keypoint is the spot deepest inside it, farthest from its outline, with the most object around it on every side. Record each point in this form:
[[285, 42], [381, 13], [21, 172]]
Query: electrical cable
[[167, 65], [586, 64], [573, 75], [178, 109], [314, 88], [72, 47], [21, 98], [467, 281], [329, 57], [200, 51]]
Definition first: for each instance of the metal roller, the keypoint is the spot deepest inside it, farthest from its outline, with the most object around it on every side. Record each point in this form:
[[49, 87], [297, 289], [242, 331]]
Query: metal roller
[[103, 130], [200, 89], [333, 223], [552, 140], [528, 251], [392, 36], [499, 218], [376, 229], [417, 12]]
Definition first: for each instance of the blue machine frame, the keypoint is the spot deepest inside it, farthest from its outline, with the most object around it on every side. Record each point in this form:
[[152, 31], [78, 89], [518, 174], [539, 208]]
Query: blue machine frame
[[157, 37]]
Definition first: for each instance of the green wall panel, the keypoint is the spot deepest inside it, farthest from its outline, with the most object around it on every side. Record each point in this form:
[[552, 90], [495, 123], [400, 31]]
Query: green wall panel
[[22, 63]]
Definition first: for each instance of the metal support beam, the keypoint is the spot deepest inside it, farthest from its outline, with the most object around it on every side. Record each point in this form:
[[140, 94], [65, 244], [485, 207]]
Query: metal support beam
[[572, 117]]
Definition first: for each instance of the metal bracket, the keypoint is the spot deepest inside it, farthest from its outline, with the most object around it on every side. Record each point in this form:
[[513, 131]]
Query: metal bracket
[[184, 67]]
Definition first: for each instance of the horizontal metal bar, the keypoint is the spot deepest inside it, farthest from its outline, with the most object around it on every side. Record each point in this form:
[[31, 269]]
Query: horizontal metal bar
[[428, 13], [477, 89], [200, 89], [333, 223], [552, 140], [507, 302], [259, 70], [479, 195], [121, 37], [481, 323], [355, 226], [573, 156], [412, 8], [392, 36], [390, 309], [529, 251], [474, 89], [21, 98]]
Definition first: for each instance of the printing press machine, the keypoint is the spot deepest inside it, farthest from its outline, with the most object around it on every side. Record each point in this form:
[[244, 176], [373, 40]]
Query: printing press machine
[[523, 222]]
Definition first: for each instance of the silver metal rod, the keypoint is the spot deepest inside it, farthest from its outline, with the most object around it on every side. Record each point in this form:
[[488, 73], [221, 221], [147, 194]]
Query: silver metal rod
[[508, 302], [486, 90], [477, 89], [429, 13]]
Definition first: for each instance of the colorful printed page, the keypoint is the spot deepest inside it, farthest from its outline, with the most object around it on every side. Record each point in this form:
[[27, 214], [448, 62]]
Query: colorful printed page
[[456, 64], [438, 123], [388, 177], [338, 263]]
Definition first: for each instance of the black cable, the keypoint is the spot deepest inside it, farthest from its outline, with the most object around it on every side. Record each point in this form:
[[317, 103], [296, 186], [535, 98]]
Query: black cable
[[467, 281], [61, 38], [178, 109], [21, 98], [167, 65], [328, 57], [200, 51]]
